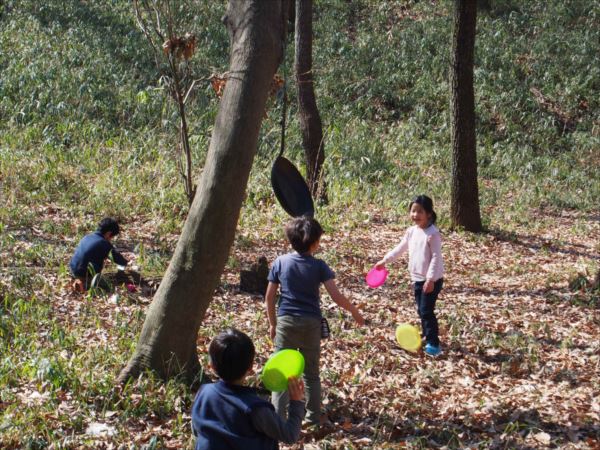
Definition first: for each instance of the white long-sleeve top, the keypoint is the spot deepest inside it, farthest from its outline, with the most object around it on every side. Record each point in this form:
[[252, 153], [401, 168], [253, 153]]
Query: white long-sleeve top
[[424, 247]]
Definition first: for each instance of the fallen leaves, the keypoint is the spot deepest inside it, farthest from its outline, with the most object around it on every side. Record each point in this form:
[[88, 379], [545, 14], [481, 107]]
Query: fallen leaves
[[521, 360]]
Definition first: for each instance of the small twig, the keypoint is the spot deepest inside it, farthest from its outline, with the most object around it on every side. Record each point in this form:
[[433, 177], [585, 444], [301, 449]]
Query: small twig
[[158, 27], [140, 22], [187, 94]]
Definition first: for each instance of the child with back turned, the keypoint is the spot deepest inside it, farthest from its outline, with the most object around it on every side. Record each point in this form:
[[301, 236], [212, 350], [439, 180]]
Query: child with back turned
[[297, 322], [425, 264], [229, 415]]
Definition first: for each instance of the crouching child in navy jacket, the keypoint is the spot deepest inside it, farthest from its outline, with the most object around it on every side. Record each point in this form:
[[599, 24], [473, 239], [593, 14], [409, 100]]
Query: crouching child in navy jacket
[[229, 415], [88, 260]]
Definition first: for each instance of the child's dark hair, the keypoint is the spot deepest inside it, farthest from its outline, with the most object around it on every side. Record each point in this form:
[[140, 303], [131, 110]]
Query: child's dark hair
[[427, 205], [231, 354], [302, 232], [109, 224]]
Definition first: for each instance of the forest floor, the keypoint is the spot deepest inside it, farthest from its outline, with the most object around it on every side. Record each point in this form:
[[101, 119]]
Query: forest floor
[[520, 331]]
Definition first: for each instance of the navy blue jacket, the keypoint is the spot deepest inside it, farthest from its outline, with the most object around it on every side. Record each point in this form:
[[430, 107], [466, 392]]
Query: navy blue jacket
[[93, 249], [221, 418]]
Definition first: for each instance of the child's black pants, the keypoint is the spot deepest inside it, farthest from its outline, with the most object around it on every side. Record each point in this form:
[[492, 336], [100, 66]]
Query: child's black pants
[[425, 308]]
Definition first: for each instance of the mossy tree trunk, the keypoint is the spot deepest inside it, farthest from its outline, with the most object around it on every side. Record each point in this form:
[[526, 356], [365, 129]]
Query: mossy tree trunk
[[310, 120], [465, 194], [167, 344]]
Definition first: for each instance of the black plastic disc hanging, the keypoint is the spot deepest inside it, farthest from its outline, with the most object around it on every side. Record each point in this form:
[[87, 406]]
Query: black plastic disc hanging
[[291, 189], [288, 184]]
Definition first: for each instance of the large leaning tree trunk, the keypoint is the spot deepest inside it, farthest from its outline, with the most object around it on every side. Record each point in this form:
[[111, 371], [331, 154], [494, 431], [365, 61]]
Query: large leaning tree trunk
[[310, 120], [464, 208], [167, 344]]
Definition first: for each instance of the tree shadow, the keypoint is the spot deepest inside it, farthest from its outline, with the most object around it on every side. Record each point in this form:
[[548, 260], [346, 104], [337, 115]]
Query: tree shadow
[[498, 8], [501, 429], [589, 217], [497, 292], [551, 295], [538, 243]]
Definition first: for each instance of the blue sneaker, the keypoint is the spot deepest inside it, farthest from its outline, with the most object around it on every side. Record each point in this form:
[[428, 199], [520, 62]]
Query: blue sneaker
[[433, 350]]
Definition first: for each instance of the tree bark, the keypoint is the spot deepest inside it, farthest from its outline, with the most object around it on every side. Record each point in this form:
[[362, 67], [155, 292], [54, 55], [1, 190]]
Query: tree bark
[[465, 194], [310, 120], [167, 344]]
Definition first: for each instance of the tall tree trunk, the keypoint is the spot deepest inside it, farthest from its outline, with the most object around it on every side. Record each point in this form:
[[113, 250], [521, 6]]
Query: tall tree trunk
[[310, 120], [167, 343], [465, 193]]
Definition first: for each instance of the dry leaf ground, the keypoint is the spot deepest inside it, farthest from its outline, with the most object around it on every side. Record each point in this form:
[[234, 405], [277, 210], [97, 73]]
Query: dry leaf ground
[[520, 367], [521, 361]]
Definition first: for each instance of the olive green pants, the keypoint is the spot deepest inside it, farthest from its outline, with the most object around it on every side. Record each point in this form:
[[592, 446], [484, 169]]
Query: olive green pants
[[304, 334]]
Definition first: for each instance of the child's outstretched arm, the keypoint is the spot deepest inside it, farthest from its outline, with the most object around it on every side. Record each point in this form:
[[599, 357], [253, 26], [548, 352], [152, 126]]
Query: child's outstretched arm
[[394, 253], [342, 301], [267, 421], [118, 258], [270, 301]]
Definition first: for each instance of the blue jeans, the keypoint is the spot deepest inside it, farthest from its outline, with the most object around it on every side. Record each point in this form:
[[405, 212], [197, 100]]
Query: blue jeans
[[425, 308]]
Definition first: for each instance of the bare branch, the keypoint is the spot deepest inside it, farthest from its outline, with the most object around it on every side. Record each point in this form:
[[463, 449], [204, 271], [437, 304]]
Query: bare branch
[[140, 22], [156, 27], [189, 91], [150, 16]]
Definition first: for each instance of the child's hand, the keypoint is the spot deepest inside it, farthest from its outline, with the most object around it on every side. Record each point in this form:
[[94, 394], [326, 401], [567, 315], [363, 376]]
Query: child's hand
[[272, 331], [296, 388], [380, 264], [428, 286]]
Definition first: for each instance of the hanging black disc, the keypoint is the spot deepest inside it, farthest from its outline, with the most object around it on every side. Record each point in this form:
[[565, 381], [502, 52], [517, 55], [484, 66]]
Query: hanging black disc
[[291, 189]]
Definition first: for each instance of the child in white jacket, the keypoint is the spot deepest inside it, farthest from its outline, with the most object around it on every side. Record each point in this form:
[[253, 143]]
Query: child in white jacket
[[425, 264]]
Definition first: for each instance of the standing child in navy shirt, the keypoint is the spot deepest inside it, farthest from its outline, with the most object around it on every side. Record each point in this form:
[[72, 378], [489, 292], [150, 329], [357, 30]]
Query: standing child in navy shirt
[[229, 415], [297, 322], [425, 264], [88, 260]]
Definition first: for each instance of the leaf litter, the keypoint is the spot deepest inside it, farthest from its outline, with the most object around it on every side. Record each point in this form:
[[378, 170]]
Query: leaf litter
[[521, 359]]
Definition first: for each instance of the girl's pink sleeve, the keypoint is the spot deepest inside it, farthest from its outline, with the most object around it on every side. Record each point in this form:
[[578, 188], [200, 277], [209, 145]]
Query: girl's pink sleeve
[[394, 253], [436, 265]]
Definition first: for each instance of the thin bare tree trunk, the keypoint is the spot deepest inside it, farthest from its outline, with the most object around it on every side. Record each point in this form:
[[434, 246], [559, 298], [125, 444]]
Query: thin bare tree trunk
[[465, 193], [310, 120], [186, 150], [167, 344]]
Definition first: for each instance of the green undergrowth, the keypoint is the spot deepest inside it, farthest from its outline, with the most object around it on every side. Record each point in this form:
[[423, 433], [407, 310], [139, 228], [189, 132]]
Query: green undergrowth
[[86, 131], [58, 377], [86, 126]]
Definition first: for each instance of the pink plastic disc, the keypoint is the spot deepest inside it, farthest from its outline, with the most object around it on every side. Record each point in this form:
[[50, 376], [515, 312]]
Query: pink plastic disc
[[376, 277]]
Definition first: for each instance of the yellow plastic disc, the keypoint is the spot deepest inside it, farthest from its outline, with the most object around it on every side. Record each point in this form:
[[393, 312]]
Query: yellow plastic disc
[[408, 337]]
